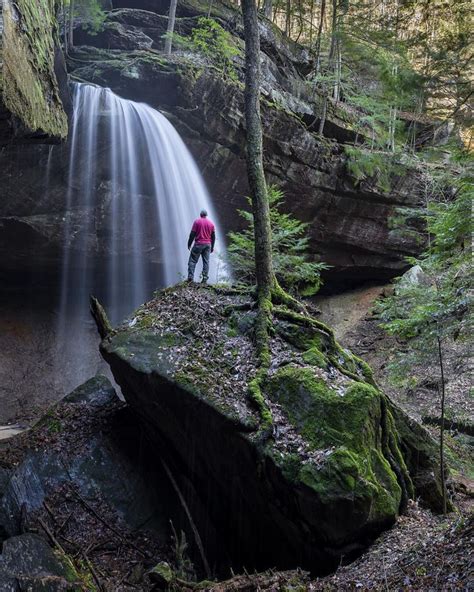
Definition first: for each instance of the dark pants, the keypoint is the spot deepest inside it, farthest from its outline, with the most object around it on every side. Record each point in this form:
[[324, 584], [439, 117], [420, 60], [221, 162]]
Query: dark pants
[[199, 251]]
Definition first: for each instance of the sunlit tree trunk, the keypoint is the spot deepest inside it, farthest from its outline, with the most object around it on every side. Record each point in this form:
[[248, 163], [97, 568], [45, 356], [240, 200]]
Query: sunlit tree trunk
[[267, 9], [337, 72], [319, 35], [170, 29]]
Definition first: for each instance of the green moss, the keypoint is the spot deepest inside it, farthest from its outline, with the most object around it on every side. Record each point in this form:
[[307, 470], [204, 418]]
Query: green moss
[[290, 465], [315, 357], [320, 413], [54, 425], [164, 571], [30, 89], [80, 577], [232, 332], [256, 397], [347, 426]]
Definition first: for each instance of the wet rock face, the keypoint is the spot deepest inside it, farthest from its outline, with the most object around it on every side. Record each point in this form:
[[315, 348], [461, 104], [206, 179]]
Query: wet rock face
[[331, 476], [350, 225]]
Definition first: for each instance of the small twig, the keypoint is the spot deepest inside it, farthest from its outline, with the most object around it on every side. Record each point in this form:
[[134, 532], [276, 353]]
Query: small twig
[[53, 539], [105, 523], [50, 512], [93, 572], [64, 523], [72, 543]]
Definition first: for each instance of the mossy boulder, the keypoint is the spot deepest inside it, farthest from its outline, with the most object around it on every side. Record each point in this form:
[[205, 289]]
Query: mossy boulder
[[295, 466], [355, 479]]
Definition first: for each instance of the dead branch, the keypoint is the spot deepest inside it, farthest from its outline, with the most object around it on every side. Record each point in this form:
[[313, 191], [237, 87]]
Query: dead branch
[[100, 317]]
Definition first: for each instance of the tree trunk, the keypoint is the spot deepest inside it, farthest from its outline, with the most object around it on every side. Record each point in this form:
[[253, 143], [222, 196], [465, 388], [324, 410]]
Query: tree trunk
[[323, 116], [71, 23], [441, 429], [311, 19], [318, 38], [332, 51], [337, 72], [288, 18], [267, 9], [208, 10], [256, 176], [170, 29]]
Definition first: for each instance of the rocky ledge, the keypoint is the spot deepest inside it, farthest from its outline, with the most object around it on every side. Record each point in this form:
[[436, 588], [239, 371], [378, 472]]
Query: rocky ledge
[[352, 220], [300, 472]]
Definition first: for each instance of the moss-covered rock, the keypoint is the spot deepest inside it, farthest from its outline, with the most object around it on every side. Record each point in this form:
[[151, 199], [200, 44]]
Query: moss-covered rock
[[30, 88], [347, 426], [295, 466]]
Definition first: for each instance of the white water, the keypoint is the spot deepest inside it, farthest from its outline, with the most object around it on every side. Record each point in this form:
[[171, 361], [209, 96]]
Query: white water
[[133, 191], [140, 207]]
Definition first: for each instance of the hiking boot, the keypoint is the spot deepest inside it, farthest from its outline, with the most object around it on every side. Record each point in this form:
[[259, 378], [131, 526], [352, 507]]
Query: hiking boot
[[204, 281]]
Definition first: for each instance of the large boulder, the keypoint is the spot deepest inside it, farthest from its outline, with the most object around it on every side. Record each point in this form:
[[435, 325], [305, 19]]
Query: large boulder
[[88, 443], [297, 469]]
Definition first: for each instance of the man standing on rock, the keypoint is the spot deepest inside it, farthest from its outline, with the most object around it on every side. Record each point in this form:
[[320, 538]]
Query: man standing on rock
[[203, 233]]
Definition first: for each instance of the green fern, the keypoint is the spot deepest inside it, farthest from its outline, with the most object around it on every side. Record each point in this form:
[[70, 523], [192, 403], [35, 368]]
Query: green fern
[[293, 268]]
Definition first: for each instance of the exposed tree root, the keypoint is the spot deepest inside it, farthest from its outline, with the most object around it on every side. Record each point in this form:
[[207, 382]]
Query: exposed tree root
[[280, 296], [242, 307], [305, 320], [390, 451], [258, 401]]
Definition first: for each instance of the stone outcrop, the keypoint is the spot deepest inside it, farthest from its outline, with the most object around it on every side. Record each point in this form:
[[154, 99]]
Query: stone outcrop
[[351, 221], [33, 84], [85, 444], [79, 490], [305, 468]]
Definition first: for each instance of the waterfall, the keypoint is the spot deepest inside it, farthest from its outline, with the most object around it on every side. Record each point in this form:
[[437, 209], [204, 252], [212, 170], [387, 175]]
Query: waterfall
[[133, 191]]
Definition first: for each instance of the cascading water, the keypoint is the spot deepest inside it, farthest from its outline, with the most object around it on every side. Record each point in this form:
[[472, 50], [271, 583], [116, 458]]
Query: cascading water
[[133, 193]]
